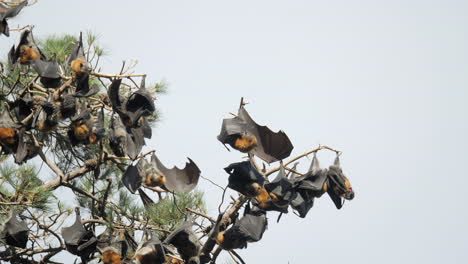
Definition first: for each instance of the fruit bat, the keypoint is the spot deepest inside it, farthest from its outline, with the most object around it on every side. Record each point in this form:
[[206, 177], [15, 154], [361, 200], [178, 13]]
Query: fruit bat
[[78, 240], [26, 149], [77, 61], [6, 13], [150, 252], [155, 174], [178, 180], [81, 130], [243, 134], [339, 186], [8, 132], [46, 117], [249, 228], [172, 256], [244, 178], [277, 194], [67, 106], [113, 246], [121, 142], [139, 104], [23, 107], [81, 68], [49, 72], [308, 187], [26, 52], [15, 233], [186, 242]]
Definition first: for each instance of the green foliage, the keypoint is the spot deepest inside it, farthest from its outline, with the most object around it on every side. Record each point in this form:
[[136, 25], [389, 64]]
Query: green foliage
[[23, 185], [168, 213], [59, 47]]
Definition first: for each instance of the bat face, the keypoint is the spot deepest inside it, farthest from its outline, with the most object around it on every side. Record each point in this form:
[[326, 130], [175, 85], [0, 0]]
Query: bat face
[[243, 134], [15, 233]]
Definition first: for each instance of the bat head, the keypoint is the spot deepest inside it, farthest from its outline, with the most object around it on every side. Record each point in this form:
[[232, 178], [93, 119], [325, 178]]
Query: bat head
[[244, 142]]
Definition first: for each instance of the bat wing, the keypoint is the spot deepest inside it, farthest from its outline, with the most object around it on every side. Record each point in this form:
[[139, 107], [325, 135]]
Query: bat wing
[[185, 240], [147, 201], [12, 12], [22, 149], [78, 240], [114, 95], [252, 225], [272, 146], [132, 178], [302, 203], [179, 180], [83, 89], [337, 200], [281, 186], [141, 99], [145, 126], [68, 106], [230, 129], [47, 69], [15, 232], [77, 51], [7, 121]]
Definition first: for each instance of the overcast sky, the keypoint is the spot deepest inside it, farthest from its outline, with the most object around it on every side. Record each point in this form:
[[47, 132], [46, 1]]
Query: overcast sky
[[384, 81]]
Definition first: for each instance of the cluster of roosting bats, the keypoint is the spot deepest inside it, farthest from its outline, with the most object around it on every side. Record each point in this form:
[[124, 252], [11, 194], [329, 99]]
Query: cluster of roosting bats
[[66, 104]]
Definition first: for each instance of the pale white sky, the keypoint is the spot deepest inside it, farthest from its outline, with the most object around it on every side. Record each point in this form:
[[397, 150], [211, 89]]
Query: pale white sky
[[383, 81]]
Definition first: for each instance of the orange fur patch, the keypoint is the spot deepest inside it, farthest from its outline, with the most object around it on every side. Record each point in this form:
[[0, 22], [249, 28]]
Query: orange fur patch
[[27, 54], [155, 181], [245, 143], [77, 66], [111, 257], [81, 131], [7, 135]]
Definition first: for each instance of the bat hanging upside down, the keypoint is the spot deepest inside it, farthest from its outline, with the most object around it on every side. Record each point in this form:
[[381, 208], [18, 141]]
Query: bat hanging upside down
[[244, 143]]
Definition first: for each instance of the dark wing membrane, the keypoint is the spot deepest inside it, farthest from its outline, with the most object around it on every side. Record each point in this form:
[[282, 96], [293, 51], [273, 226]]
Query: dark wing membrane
[[114, 95], [78, 51], [272, 146], [229, 128], [47, 69], [132, 178], [12, 12], [180, 180], [15, 232]]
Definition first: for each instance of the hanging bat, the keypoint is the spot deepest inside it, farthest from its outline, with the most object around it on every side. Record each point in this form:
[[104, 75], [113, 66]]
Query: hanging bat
[[249, 228], [81, 69], [186, 242], [244, 178], [339, 185], [150, 251], [13, 232], [77, 61], [23, 107], [8, 132], [308, 187], [276, 195], [78, 240], [49, 72], [80, 131], [113, 246], [67, 106], [243, 134], [25, 150], [121, 142], [155, 174], [7, 13], [139, 104], [26, 52], [46, 118]]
